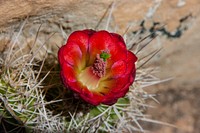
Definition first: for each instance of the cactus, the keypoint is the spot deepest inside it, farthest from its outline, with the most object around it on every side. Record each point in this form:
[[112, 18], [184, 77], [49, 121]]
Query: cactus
[[32, 98], [22, 106]]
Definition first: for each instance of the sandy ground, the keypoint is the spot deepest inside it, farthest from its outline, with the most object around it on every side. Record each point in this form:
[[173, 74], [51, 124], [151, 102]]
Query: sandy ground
[[179, 98]]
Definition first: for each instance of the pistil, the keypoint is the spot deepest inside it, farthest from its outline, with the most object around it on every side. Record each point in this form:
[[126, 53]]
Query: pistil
[[99, 66]]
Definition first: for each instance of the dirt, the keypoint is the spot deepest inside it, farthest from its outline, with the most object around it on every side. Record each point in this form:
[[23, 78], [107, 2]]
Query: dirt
[[179, 98]]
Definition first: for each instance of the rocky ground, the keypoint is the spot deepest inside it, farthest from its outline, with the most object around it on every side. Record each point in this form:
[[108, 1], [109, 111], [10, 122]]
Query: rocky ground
[[179, 98]]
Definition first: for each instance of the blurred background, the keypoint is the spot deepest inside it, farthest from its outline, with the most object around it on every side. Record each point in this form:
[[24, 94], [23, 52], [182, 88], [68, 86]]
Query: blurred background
[[175, 21]]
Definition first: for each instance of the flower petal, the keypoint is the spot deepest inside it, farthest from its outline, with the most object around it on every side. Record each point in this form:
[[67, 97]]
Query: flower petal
[[92, 98], [72, 54], [75, 86], [69, 78], [89, 32], [106, 86], [60, 55], [118, 69], [131, 60], [81, 38], [119, 39], [121, 82], [98, 42], [122, 86], [118, 50], [110, 101], [68, 73], [119, 89]]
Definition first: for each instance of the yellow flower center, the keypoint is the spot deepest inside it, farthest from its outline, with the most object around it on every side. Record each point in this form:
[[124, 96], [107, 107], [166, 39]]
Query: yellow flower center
[[89, 79], [90, 76]]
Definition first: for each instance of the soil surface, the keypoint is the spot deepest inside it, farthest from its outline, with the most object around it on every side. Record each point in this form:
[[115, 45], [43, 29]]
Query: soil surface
[[179, 98]]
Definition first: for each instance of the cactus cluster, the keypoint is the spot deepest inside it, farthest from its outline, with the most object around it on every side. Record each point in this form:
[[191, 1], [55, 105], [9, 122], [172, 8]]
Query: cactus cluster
[[32, 98], [22, 101]]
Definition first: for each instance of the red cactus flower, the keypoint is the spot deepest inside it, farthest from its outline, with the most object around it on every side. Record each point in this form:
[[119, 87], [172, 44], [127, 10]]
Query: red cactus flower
[[96, 66]]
